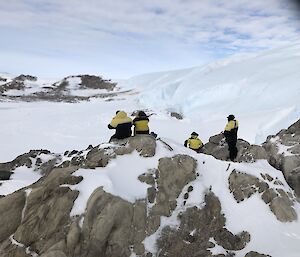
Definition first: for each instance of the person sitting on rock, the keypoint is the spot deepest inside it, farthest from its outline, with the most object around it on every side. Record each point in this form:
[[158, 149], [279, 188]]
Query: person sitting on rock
[[140, 123], [230, 133], [122, 124], [194, 142]]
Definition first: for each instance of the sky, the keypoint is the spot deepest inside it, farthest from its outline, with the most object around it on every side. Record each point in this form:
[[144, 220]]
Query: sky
[[123, 38]]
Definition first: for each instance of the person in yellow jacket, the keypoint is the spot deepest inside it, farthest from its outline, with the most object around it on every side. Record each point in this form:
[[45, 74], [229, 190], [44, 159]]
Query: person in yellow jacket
[[194, 142], [230, 133], [122, 124], [141, 123]]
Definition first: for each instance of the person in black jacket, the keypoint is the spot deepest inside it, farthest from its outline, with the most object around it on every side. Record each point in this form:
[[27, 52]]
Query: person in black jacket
[[141, 123], [122, 124], [230, 133]]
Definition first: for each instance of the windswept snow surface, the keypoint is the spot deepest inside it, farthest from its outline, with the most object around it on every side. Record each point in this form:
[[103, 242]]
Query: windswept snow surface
[[262, 91], [119, 177]]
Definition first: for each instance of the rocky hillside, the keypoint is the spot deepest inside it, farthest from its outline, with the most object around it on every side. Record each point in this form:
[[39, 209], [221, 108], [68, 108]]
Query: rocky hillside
[[69, 89], [145, 197]]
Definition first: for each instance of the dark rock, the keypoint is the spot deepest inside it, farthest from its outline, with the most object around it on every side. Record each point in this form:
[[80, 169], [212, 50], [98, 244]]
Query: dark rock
[[288, 162], [11, 208], [269, 195], [190, 189], [205, 223], [186, 196], [151, 194], [283, 210], [256, 254], [218, 148], [95, 82], [176, 115], [243, 185], [5, 175]]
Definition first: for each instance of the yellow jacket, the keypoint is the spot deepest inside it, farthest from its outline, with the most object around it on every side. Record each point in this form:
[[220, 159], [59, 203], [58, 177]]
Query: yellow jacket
[[194, 143], [233, 124], [141, 124], [120, 118]]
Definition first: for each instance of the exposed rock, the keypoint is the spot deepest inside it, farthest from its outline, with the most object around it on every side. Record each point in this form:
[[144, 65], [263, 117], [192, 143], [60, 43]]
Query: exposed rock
[[55, 253], [5, 175], [11, 208], [283, 152], [174, 174], [107, 225], [283, 209], [176, 115], [23, 77], [147, 178], [205, 223], [59, 91], [256, 254], [145, 144], [244, 185], [111, 226], [22, 160], [97, 158], [95, 82], [269, 195], [218, 148]]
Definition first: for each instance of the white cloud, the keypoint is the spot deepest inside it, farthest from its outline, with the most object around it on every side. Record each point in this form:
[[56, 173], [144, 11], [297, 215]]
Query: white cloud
[[139, 31]]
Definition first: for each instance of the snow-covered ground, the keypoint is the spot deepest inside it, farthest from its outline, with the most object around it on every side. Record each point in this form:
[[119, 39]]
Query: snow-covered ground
[[262, 91]]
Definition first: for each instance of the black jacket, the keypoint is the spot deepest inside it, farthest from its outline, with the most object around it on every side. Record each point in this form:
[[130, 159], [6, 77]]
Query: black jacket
[[122, 130]]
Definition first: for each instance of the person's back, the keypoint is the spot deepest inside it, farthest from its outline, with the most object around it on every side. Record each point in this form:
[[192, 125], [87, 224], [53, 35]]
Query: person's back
[[230, 133], [194, 142], [231, 129], [141, 123], [122, 124]]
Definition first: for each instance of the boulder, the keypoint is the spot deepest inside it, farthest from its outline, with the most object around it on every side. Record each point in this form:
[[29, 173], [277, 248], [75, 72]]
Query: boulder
[[144, 144], [107, 226], [196, 228], [243, 186], [283, 153], [172, 175], [5, 175], [256, 254], [218, 148], [283, 210], [11, 208]]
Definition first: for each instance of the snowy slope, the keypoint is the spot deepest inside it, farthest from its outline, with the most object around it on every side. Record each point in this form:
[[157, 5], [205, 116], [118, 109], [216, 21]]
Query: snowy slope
[[262, 91]]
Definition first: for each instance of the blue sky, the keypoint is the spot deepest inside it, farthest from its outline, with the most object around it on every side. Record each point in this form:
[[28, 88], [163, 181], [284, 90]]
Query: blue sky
[[122, 38]]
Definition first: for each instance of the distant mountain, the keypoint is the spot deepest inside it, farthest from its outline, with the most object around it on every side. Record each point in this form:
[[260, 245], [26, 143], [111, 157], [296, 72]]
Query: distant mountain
[[69, 89]]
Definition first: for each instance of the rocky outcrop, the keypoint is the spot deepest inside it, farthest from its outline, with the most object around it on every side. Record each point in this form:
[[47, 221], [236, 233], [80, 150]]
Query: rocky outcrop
[[95, 82], [256, 254], [218, 148], [167, 187], [197, 227], [62, 91], [280, 202], [283, 152], [37, 220], [30, 159]]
